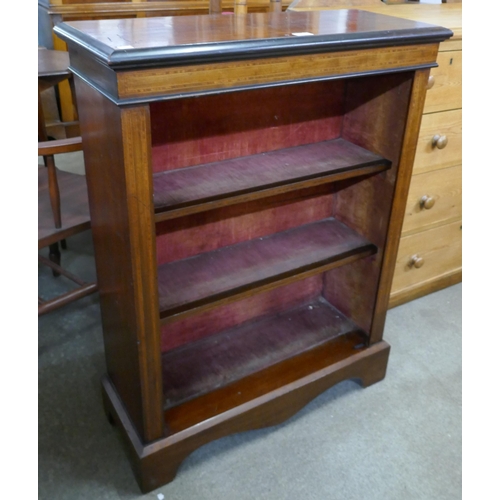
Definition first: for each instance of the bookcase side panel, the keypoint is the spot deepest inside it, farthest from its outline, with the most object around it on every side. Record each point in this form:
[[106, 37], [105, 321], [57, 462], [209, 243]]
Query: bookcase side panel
[[412, 127], [376, 113], [116, 145]]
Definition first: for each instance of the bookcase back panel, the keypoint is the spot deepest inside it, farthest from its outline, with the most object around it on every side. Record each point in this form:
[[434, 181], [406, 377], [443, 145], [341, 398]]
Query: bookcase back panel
[[206, 231], [197, 130], [228, 316]]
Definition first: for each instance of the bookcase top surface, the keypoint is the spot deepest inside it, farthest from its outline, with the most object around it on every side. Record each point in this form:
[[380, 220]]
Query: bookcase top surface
[[167, 41]]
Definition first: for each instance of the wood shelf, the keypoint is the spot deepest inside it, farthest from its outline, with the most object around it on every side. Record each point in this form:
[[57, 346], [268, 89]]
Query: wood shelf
[[193, 189], [222, 359], [207, 279]]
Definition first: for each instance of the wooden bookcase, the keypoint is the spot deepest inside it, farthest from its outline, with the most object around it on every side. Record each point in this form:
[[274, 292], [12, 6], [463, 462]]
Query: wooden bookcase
[[247, 182]]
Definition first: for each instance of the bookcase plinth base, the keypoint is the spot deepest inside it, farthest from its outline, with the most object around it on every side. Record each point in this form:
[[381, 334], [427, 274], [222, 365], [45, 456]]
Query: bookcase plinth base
[[156, 463]]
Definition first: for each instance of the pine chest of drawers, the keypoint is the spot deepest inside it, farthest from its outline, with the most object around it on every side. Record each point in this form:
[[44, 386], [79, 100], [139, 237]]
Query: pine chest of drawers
[[430, 251]]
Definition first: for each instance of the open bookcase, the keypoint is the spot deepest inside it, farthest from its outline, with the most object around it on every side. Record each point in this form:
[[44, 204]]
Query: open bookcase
[[247, 180]]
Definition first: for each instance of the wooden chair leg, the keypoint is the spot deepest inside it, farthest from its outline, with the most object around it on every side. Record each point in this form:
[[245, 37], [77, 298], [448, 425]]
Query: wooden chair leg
[[275, 6], [55, 197], [42, 132], [240, 7], [55, 257], [215, 7], [73, 130], [55, 200]]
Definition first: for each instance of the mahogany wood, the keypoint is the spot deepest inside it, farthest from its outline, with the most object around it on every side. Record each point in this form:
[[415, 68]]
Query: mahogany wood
[[277, 55], [156, 463], [263, 382], [199, 78], [229, 272], [117, 159], [219, 360], [185, 237], [182, 32], [47, 306], [211, 130], [375, 119], [231, 315], [328, 161], [53, 63], [416, 106], [69, 145], [53, 69], [196, 95]]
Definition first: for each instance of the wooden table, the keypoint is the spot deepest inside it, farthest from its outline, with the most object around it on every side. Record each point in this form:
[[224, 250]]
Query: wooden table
[[53, 68]]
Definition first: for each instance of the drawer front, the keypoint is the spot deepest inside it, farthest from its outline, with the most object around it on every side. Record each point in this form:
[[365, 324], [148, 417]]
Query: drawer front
[[434, 198], [446, 80], [439, 141], [440, 251], [453, 44]]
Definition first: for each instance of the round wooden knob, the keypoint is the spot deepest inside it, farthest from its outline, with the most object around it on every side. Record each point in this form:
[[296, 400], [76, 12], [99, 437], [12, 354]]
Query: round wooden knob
[[430, 82], [439, 141], [427, 202], [416, 261]]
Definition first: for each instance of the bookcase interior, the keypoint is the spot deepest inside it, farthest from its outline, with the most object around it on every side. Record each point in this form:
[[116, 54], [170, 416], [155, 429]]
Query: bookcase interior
[[271, 210]]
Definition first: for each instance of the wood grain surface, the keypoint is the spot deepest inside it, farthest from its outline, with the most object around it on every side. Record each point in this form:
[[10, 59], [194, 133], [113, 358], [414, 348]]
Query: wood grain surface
[[231, 178], [229, 272], [115, 145], [195, 131], [267, 302], [219, 360], [445, 188], [213, 321], [202, 78], [429, 157]]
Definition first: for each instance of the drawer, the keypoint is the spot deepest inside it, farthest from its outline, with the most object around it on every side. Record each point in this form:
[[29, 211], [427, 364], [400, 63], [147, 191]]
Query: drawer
[[434, 198], [446, 80], [452, 44], [440, 251], [432, 154]]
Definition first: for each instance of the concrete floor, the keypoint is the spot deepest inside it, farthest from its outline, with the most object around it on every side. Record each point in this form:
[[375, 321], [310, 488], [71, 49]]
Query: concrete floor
[[399, 439]]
